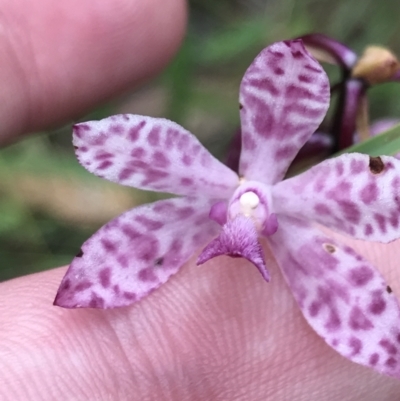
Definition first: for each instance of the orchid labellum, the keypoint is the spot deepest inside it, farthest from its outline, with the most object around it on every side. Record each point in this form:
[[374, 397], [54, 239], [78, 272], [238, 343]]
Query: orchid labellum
[[284, 96]]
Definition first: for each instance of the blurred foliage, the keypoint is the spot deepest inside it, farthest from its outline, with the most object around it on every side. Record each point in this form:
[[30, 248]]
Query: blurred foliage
[[49, 204], [388, 143]]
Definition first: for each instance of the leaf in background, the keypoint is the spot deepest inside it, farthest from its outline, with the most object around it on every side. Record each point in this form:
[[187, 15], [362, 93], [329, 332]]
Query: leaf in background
[[387, 143], [178, 79], [12, 214], [233, 42]]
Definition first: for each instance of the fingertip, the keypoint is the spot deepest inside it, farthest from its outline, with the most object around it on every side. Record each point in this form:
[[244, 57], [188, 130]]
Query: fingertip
[[60, 60]]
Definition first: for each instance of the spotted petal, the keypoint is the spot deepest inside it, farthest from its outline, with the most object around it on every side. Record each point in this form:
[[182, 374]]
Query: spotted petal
[[354, 194], [342, 296], [284, 96], [151, 153], [136, 253]]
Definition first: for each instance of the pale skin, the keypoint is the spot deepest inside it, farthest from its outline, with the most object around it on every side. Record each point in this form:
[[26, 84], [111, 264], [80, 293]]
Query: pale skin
[[216, 332]]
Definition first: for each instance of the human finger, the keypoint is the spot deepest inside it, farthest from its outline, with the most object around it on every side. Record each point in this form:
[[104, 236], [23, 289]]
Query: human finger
[[212, 332], [59, 59]]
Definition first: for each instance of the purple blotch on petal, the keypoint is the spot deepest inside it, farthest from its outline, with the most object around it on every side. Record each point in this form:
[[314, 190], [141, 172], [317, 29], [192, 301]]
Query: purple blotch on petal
[[138, 152], [369, 193], [339, 168], [358, 320], [305, 78], [66, 285], [108, 245], [176, 245], [83, 285], [187, 160], [314, 308], [147, 274], [149, 223], [381, 220], [105, 277], [135, 131], [146, 248], [123, 261], [164, 207], [154, 136], [333, 323], [378, 304], [265, 84], [394, 219], [130, 232], [285, 152], [391, 362], [103, 155], [116, 128], [186, 181], [357, 166], [125, 174], [185, 212], [389, 347], [350, 210], [105, 164], [368, 230], [373, 359], [131, 296], [96, 301], [321, 208], [356, 345], [360, 276]]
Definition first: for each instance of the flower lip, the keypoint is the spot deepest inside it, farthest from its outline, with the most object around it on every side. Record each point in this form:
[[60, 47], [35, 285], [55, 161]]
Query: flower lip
[[238, 238]]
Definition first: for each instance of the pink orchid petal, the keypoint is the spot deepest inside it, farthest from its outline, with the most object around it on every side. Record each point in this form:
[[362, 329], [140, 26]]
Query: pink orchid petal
[[151, 153], [354, 193], [341, 295], [238, 238], [329, 50], [284, 96], [135, 253]]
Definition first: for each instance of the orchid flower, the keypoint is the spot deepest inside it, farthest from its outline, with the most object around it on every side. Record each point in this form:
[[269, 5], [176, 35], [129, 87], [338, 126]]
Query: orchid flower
[[284, 96], [376, 65]]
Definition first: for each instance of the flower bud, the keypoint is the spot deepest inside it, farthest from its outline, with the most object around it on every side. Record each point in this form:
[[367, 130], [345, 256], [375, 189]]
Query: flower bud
[[376, 65]]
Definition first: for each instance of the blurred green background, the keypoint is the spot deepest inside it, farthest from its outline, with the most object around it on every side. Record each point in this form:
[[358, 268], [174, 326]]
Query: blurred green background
[[49, 204]]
